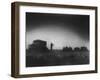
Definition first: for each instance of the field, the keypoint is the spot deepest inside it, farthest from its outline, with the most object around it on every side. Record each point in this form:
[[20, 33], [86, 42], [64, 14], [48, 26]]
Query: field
[[57, 57]]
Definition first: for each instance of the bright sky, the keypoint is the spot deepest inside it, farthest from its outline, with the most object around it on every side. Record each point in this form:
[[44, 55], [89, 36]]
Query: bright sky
[[60, 37]]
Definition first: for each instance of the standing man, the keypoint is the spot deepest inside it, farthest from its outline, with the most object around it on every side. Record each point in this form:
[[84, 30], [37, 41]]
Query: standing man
[[51, 46]]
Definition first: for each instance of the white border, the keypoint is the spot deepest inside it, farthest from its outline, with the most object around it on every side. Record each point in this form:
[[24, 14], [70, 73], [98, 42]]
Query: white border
[[52, 69]]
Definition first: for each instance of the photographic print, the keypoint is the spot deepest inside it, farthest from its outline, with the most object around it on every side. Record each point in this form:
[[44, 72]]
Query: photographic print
[[56, 39], [51, 39]]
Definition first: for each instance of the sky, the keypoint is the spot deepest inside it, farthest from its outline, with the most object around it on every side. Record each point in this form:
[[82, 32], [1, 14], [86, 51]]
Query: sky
[[60, 29]]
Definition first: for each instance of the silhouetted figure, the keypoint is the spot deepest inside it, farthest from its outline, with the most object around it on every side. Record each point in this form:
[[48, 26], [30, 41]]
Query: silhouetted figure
[[51, 46]]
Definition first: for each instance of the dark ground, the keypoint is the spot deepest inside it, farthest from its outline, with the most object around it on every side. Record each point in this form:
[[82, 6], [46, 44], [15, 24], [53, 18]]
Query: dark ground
[[57, 57]]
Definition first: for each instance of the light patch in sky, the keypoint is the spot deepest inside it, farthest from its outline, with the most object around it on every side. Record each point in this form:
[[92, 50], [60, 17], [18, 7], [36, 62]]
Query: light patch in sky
[[60, 37]]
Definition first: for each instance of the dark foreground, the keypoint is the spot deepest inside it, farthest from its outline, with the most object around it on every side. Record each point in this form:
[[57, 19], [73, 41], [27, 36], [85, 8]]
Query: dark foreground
[[57, 57]]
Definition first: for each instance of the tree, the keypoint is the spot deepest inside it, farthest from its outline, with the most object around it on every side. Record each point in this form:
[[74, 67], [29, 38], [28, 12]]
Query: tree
[[84, 49], [76, 49]]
